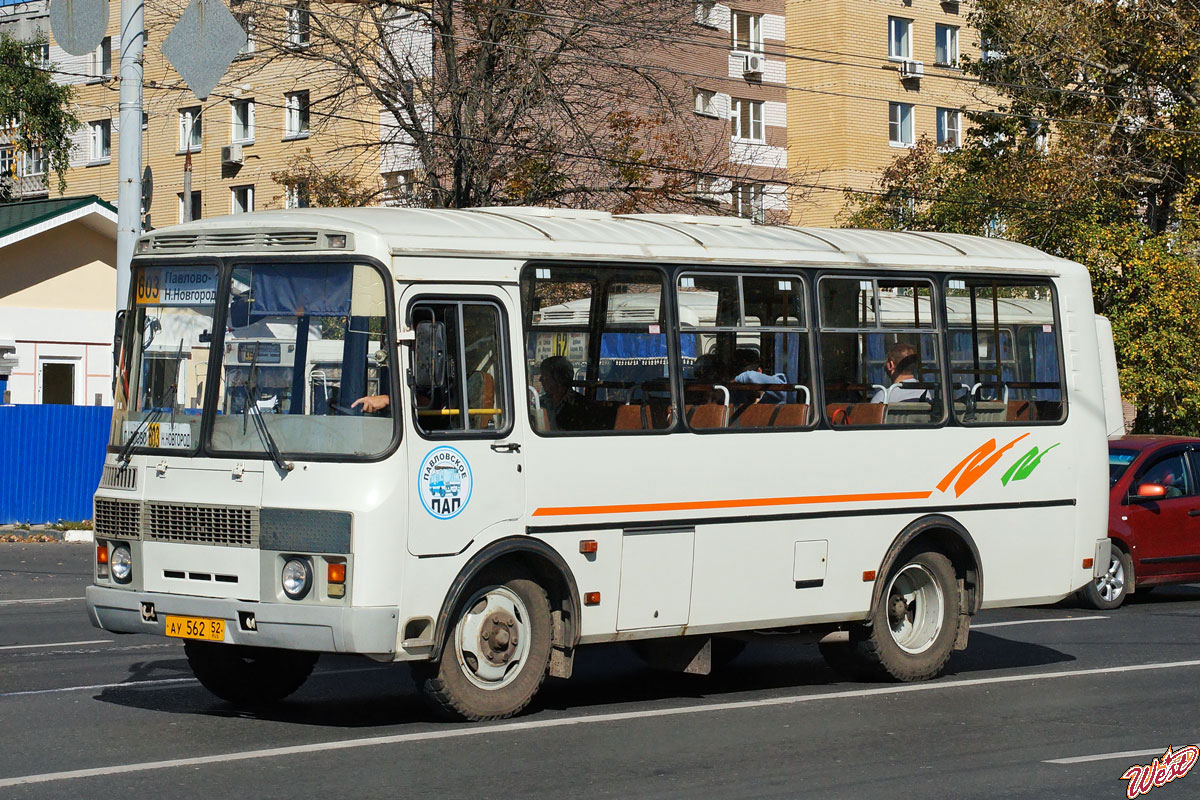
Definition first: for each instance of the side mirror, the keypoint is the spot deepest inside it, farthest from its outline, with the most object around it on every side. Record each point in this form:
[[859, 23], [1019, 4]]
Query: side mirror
[[429, 355], [118, 336], [1149, 491]]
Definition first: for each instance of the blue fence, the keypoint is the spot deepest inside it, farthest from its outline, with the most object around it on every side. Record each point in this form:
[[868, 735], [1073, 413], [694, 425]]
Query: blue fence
[[50, 461]]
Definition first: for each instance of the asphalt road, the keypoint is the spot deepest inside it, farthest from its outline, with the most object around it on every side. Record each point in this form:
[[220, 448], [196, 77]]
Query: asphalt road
[[87, 713]]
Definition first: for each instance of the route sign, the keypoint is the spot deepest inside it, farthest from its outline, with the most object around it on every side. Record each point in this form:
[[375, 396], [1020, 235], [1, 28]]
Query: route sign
[[203, 44], [79, 25]]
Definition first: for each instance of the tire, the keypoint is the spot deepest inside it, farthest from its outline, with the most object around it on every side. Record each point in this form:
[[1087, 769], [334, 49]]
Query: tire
[[248, 677], [476, 680], [1110, 589], [910, 633]]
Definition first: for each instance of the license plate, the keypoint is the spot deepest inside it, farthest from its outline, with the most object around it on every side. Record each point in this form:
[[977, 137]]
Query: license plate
[[212, 630]]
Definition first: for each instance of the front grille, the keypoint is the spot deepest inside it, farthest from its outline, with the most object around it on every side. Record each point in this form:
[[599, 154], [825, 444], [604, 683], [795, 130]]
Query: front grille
[[196, 524], [118, 477], [117, 519]]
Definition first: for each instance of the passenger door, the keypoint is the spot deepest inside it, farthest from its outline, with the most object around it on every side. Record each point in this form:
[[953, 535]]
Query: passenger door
[[465, 460], [1167, 530]]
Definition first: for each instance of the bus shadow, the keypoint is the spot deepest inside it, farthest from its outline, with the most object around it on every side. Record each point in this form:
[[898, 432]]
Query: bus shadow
[[354, 694]]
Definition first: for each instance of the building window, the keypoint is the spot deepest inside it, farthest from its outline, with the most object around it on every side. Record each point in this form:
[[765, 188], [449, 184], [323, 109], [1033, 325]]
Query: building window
[[746, 118], [398, 187], [949, 128], [947, 45], [34, 162], [41, 55], [748, 201], [246, 20], [100, 140], [988, 52], [746, 30], [100, 59], [295, 117], [242, 113], [295, 197], [900, 124], [8, 163], [241, 199], [299, 25], [191, 132], [145, 120], [706, 13], [706, 102], [183, 215], [899, 38]]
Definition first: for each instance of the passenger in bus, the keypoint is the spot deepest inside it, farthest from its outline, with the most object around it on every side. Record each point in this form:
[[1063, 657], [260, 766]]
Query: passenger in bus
[[900, 365], [752, 372], [372, 403], [566, 409]]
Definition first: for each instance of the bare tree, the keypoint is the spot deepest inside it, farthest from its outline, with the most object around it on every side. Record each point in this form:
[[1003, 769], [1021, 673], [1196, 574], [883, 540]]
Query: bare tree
[[543, 102]]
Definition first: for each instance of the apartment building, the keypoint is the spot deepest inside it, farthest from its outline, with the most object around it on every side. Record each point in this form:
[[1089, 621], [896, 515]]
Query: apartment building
[[867, 79], [740, 73], [255, 123]]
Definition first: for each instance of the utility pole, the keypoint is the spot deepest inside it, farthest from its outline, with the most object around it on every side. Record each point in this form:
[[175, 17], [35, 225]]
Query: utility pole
[[129, 155]]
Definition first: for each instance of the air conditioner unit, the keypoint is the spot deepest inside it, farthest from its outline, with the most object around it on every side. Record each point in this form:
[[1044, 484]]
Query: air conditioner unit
[[752, 65], [911, 69], [232, 154], [8, 357]]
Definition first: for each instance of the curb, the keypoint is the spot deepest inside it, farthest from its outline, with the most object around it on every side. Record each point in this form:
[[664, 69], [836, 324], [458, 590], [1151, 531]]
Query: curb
[[78, 536]]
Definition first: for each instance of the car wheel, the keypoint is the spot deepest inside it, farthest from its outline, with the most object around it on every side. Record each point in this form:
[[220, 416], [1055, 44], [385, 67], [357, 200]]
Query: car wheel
[[497, 653], [1108, 591], [912, 626], [248, 677]]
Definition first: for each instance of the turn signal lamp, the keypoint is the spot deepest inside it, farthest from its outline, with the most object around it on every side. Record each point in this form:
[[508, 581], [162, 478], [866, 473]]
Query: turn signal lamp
[[591, 599], [589, 546], [1087, 563], [102, 560], [868, 576], [337, 573]]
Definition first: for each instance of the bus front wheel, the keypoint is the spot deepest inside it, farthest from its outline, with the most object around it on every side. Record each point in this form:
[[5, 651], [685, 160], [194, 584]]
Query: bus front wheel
[[248, 676], [497, 653], [911, 630]]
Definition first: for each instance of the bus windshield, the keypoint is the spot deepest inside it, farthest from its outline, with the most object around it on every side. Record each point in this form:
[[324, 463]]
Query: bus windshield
[[302, 343], [159, 394]]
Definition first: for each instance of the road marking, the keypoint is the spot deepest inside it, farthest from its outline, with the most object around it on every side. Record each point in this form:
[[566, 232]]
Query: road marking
[[159, 682], [41, 600], [562, 722], [1034, 621], [1127, 754], [54, 644]]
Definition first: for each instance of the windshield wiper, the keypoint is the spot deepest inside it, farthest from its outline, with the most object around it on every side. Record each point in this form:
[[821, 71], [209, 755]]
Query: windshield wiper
[[260, 423], [148, 420]]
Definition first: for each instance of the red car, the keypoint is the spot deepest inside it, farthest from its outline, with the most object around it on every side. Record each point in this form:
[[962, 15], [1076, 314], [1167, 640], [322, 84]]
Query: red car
[[1153, 518]]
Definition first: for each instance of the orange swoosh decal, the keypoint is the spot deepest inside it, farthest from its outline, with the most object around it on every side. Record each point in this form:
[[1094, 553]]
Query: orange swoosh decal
[[758, 502]]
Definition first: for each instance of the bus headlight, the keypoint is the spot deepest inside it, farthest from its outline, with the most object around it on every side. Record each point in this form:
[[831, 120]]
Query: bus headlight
[[120, 562], [296, 578]]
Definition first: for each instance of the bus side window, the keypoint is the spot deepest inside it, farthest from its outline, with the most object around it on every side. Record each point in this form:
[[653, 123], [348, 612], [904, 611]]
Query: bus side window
[[464, 391], [880, 352], [1004, 353]]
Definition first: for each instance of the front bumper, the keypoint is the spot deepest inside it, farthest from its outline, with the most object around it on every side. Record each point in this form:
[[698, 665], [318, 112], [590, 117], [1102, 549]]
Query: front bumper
[[367, 631]]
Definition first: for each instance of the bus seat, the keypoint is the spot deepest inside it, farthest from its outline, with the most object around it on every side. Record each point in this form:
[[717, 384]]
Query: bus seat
[[1020, 411], [911, 412], [481, 393], [856, 413], [791, 415], [709, 415], [755, 415], [631, 417]]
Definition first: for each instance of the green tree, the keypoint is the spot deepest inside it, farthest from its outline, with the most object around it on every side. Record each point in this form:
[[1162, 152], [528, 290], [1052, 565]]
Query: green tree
[[40, 107]]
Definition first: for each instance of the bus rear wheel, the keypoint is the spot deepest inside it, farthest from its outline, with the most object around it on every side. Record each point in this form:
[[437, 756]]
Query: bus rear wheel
[[496, 655], [910, 633], [248, 677]]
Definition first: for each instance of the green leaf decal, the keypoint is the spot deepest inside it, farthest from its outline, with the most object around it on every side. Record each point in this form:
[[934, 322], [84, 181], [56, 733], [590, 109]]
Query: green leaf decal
[[1026, 464]]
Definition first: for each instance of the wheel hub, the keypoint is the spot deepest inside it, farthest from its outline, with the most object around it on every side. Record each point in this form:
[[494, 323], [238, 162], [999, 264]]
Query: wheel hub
[[898, 609], [498, 638]]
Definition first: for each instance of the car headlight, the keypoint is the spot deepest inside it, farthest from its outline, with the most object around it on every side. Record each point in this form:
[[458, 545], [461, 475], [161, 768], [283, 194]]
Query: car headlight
[[120, 562], [296, 578]]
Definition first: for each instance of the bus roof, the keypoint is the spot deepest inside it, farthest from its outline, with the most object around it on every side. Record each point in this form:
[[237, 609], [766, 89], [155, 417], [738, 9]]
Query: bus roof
[[528, 232]]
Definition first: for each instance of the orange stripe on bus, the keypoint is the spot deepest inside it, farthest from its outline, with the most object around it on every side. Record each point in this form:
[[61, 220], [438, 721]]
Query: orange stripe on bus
[[699, 505]]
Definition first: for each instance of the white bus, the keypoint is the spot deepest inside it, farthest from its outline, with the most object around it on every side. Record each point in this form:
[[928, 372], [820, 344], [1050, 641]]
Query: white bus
[[559, 428]]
